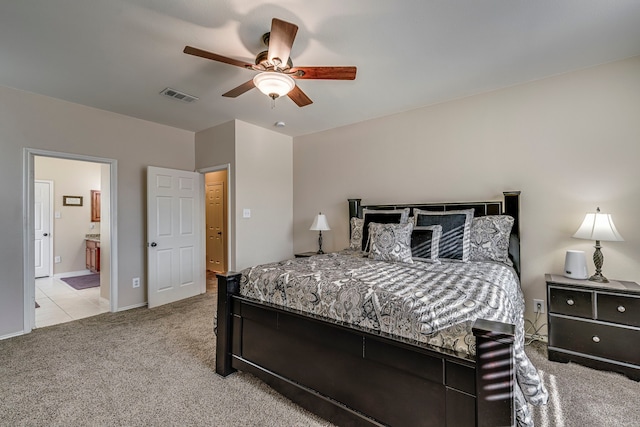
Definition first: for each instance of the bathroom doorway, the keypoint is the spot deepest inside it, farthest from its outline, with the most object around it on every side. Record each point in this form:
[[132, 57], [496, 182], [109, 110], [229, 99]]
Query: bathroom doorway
[[70, 288]]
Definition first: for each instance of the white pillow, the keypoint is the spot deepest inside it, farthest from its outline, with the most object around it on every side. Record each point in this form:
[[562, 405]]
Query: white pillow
[[391, 242]]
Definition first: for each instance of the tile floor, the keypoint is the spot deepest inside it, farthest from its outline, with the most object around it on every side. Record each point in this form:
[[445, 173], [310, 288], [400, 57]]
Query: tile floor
[[61, 303]]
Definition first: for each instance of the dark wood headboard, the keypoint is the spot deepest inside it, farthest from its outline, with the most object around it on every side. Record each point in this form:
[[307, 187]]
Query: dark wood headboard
[[510, 206]]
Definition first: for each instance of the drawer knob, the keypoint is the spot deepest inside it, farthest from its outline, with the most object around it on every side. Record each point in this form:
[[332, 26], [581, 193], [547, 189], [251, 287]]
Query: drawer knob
[[621, 309], [570, 301], [596, 339]]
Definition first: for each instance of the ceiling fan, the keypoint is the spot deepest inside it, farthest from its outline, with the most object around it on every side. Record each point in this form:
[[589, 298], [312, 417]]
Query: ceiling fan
[[276, 68]]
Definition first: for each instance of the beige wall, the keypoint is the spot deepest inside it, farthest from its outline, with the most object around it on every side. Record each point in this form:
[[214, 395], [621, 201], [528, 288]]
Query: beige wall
[[38, 122], [570, 143], [70, 178], [260, 180], [264, 184]]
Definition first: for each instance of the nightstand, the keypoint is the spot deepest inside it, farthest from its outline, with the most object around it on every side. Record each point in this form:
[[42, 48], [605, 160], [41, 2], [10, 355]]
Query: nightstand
[[305, 254], [594, 324]]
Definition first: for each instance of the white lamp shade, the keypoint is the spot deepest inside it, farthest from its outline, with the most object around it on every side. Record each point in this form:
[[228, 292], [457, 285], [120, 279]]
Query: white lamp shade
[[598, 226], [320, 223], [273, 84]]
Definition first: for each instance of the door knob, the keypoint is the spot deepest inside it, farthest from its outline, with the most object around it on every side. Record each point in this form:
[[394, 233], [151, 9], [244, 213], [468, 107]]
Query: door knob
[[153, 244], [219, 233], [45, 234]]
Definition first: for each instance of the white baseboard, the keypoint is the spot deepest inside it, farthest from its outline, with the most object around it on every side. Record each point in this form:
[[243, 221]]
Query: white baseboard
[[129, 307], [15, 334], [72, 274]]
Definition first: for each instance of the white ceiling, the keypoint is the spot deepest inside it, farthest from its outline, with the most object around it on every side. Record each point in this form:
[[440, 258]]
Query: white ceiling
[[117, 55]]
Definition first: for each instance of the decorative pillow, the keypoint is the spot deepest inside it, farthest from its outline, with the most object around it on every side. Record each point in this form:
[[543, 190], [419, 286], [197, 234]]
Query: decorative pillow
[[425, 243], [455, 242], [356, 233], [392, 216], [391, 242], [490, 238]]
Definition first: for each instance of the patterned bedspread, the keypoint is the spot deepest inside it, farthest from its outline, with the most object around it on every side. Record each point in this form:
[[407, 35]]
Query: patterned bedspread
[[431, 303]]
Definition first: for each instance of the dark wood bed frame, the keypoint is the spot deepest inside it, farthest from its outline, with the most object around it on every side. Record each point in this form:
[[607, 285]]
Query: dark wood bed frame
[[355, 377]]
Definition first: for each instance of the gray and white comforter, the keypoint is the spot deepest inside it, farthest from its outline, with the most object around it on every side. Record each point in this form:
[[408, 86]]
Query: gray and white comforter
[[431, 303]]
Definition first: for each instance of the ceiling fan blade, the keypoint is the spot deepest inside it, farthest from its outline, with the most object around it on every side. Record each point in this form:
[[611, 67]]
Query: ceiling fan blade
[[299, 97], [244, 87], [215, 57], [280, 41], [325, 73]]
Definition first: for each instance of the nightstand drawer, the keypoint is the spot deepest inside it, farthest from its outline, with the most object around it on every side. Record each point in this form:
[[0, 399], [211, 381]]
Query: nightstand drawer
[[619, 309], [595, 339], [571, 302]]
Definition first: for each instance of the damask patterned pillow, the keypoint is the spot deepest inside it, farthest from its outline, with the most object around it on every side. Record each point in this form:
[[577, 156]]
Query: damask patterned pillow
[[355, 242], [455, 242], [425, 243], [391, 242], [380, 216], [490, 238]]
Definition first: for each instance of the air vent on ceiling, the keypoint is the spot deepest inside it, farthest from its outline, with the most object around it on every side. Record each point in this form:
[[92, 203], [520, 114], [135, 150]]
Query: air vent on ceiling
[[180, 96]]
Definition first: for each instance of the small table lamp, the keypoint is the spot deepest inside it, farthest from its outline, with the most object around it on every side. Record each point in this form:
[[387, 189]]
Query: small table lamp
[[320, 224], [598, 226]]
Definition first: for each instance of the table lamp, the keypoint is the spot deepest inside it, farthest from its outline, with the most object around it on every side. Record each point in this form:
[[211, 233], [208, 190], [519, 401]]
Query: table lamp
[[320, 224], [598, 226]]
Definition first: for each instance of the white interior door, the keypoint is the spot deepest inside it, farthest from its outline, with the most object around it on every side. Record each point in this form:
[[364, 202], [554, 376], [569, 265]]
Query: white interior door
[[175, 232], [42, 227]]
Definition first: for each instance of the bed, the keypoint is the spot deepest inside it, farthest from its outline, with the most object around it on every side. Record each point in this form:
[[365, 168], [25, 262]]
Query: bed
[[359, 337]]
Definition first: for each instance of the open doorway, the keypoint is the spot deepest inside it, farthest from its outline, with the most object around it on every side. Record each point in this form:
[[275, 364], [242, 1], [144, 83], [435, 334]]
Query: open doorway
[[216, 208], [70, 288], [71, 279]]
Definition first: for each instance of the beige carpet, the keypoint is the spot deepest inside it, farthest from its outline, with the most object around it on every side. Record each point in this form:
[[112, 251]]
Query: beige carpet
[[584, 397], [156, 368], [140, 367]]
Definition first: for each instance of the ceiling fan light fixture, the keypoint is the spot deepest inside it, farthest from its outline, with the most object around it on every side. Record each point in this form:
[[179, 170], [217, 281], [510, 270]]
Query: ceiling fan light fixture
[[274, 84]]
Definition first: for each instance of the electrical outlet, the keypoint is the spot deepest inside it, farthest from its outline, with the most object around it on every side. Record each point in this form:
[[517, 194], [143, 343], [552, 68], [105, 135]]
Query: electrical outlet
[[538, 306], [57, 260], [136, 282]]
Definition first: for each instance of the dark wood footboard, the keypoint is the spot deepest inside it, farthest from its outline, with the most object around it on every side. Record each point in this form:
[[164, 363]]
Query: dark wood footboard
[[352, 377]]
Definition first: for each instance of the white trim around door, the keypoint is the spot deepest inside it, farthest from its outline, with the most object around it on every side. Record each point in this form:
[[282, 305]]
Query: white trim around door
[[28, 227], [231, 258]]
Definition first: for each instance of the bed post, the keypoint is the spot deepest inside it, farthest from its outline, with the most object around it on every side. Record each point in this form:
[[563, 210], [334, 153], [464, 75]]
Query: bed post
[[512, 208], [495, 374], [354, 211], [228, 285], [354, 208]]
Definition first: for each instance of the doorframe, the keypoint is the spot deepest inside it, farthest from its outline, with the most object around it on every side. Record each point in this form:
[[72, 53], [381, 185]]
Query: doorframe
[[28, 217], [51, 223], [231, 259]]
